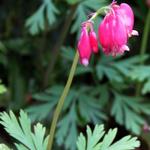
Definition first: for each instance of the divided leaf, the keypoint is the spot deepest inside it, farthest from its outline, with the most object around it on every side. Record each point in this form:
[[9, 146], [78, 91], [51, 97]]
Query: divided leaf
[[127, 111], [21, 130], [94, 140], [36, 22]]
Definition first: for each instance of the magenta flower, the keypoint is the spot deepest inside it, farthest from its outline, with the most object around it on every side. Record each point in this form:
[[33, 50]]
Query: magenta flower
[[116, 28], [87, 43], [84, 47]]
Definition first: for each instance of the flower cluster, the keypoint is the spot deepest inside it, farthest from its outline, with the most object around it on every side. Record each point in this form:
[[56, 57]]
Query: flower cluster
[[114, 32]]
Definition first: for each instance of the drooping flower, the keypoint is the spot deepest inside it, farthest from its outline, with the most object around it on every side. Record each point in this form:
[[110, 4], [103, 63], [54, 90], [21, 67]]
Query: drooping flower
[[87, 42], [116, 28], [84, 47]]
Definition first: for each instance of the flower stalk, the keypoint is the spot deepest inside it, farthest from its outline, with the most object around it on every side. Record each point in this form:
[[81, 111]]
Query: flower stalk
[[61, 102], [144, 46]]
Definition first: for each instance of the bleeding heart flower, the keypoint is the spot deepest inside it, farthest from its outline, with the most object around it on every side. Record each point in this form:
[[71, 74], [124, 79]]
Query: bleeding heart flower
[[87, 42], [84, 47], [115, 29]]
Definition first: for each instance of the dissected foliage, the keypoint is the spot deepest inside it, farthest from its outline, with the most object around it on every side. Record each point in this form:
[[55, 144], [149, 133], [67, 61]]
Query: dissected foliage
[[94, 140], [21, 130]]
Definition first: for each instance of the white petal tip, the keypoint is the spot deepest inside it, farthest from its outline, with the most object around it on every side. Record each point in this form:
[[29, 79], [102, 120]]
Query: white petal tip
[[125, 48], [135, 33], [85, 62]]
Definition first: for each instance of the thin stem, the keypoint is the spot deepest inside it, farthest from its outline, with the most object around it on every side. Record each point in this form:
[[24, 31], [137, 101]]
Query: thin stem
[[61, 102], [144, 46], [98, 12], [145, 35]]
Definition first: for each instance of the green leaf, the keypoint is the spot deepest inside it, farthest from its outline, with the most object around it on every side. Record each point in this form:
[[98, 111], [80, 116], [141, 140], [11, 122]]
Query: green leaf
[[111, 73], [36, 22], [38, 137], [126, 143], [4, 147], [90, 110], [108, 139], [20, 147], [48, 100], [21, 131], [94, 140], [140, 73], [51, 11], [146, 87], [127, 111], [126, 66]]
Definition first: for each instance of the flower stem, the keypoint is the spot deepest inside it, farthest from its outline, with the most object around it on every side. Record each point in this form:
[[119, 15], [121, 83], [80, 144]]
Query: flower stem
[[99, 11], [144, 46], [61, 101], [145, 36]]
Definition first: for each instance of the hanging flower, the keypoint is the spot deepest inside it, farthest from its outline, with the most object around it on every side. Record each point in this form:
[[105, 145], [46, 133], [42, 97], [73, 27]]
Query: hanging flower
[[84, 47], [87, 42], [116, 28]]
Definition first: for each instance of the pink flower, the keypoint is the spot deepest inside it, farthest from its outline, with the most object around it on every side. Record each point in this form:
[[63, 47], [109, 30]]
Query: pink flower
[[126, 14], [87, 43], [84, 47], [116, 28], [93, 41]]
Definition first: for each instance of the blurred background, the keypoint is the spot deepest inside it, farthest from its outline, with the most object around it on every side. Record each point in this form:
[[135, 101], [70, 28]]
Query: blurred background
[[38, 41]]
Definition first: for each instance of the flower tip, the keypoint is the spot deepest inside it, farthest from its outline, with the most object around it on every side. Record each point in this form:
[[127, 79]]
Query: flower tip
[[134, 32], [85, 62], [125, 48]]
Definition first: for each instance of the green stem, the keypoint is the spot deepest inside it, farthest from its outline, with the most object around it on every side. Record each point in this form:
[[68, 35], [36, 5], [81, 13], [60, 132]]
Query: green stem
[[145, 35], [61, 101], [98, 12], [144, 46]]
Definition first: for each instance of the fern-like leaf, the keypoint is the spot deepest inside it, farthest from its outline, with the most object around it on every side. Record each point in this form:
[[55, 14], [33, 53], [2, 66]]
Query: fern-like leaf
[[95, 142], [21, 130]]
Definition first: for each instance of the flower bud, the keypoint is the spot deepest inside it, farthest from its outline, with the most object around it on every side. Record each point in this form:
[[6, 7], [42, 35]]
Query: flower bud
[[84, 47], [93, 41]]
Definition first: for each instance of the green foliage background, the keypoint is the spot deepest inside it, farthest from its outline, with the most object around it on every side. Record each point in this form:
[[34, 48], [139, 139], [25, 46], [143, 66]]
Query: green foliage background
[[37, 44]]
